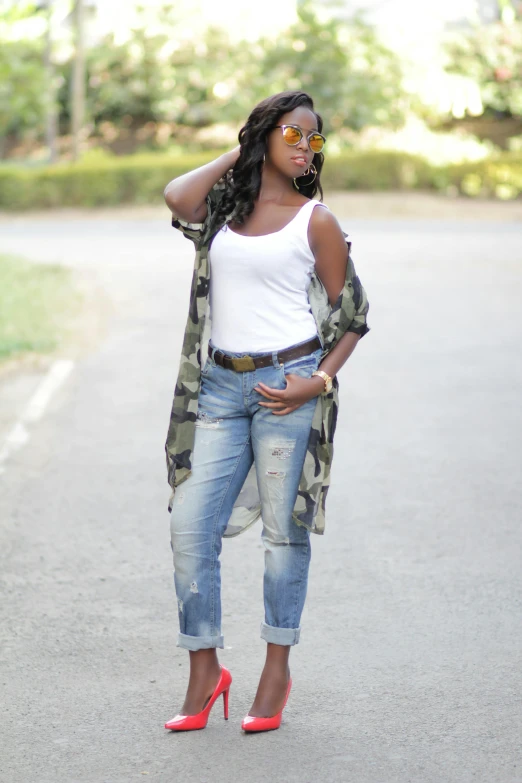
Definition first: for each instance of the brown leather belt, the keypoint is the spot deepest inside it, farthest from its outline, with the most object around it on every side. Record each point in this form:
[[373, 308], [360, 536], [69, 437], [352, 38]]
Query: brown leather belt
[[249, 363]]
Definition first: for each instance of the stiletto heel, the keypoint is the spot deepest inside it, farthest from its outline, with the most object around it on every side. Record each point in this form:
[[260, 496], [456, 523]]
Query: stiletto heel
[[251, 723], [225, 703], [199, 721]]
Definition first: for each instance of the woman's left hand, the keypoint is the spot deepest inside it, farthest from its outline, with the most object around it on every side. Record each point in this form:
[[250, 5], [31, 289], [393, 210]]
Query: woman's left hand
[[298, 391]]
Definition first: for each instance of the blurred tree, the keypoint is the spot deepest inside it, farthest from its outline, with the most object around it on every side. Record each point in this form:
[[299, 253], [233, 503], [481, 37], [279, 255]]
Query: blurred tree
[[491, 55], [22, 89], [125, 80], [354, 79], [51, 118], [22, 79], [160, 77], [215, 80], [77, 90]]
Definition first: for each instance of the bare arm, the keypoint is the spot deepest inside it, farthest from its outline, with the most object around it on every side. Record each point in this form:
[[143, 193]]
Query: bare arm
[[334, 360], [186, 195], [328, 245]]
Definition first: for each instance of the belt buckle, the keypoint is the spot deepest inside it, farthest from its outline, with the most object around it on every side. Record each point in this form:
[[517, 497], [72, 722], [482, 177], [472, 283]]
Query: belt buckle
[[243, 364]]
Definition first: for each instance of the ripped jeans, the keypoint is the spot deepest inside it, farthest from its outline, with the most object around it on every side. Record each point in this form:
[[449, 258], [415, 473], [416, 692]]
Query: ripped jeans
[[232, 431]]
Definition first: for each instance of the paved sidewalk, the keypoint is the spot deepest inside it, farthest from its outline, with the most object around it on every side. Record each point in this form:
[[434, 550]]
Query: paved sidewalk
[[410, 205], [410, 664]]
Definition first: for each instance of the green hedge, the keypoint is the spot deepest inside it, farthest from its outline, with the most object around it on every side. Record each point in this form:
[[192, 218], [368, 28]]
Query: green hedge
[[376, 171], [136, 179], [140, 179], [499, 177]]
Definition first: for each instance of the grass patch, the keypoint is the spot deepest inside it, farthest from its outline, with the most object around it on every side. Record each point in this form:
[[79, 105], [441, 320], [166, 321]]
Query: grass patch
[[36, 304]]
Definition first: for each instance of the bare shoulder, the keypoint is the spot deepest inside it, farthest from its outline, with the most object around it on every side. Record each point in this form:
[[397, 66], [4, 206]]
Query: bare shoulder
[[324, 226]]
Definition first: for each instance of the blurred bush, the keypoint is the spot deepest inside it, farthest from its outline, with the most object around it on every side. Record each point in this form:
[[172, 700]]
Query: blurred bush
[[376, 170], [500, 178], [97, 180], [140, 179]]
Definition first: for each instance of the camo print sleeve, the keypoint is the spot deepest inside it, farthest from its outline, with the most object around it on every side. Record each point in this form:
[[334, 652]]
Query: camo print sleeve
[[347, 315], [196, 231], [360, 301]]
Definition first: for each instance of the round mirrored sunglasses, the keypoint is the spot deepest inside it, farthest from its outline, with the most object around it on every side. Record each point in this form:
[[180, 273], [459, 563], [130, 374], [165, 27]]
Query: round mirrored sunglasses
[[292, 135]]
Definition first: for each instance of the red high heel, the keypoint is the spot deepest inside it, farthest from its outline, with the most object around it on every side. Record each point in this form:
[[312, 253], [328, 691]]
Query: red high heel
[[199, 721], [251, 723]]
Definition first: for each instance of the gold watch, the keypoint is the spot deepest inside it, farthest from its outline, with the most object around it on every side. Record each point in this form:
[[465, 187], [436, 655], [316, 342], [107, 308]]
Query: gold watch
[[327, 380]]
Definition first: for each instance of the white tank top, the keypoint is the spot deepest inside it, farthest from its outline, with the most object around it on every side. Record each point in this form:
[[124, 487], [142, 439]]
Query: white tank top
[[258, 288]]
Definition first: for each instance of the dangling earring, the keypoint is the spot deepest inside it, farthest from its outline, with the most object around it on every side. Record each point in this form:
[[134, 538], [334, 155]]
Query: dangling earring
[[310, 170]]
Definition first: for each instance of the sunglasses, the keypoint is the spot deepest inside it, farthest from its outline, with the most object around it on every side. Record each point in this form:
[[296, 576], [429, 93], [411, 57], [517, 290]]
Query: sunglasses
[[292, 135]]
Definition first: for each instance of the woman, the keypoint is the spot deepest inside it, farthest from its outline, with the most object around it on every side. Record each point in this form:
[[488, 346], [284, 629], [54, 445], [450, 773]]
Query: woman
[[251, 433]]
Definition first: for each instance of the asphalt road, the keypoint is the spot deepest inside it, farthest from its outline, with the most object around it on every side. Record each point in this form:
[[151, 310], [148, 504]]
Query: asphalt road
[[410, 661]]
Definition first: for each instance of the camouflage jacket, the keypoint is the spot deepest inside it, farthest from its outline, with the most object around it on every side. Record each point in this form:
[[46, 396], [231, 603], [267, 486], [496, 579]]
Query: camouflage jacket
[[347, 315]]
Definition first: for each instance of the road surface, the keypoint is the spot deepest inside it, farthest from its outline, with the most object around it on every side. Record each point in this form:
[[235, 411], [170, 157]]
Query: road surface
[[410, 661]]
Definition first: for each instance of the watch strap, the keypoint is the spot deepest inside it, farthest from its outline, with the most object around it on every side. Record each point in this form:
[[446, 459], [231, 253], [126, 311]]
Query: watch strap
[[326, 380]]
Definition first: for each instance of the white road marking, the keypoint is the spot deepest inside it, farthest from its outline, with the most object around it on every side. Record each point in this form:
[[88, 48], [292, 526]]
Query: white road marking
[[57, 374], [19, 434]]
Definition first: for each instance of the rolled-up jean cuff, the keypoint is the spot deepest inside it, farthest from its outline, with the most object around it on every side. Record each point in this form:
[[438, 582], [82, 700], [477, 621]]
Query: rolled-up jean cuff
[[195, 643], [283, 636]]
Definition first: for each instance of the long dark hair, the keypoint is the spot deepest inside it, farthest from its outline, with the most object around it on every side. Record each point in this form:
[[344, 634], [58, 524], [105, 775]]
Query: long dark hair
[[243, 185]]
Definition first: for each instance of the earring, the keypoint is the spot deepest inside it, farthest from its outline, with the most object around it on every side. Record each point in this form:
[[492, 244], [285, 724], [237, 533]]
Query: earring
[[310, 170]]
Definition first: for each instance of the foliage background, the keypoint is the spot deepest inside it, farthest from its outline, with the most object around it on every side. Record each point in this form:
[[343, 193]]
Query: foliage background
[[157, 90]]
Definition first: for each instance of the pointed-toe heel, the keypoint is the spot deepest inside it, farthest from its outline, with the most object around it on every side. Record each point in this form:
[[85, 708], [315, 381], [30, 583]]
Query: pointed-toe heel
[[251, 723], [199, 721]]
